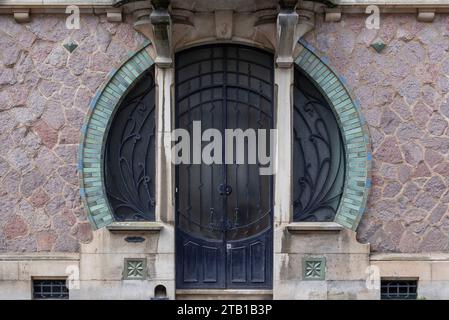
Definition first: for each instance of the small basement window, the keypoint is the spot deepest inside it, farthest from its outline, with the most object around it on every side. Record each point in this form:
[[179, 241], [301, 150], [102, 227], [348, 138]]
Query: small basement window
[[398, 289], [50, 289]]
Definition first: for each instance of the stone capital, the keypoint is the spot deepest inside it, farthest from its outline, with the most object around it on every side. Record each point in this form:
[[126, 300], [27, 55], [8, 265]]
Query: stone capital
[[153, 20], [292, 23], [161, 22]]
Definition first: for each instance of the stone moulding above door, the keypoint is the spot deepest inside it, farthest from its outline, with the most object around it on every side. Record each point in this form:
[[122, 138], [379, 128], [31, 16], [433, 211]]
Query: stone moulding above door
[[354, 132], [94, 133]]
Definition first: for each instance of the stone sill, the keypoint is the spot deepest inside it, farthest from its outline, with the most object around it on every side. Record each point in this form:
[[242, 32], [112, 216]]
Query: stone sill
[[58, 256], [141, 226], [296, 227], [409, 257]]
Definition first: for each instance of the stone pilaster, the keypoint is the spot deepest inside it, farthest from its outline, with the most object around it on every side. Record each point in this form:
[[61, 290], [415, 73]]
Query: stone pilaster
[[164, 172]]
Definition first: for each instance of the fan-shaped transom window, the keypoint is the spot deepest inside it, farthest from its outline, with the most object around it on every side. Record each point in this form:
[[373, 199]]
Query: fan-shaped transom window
[[318, 154], [130, 154]]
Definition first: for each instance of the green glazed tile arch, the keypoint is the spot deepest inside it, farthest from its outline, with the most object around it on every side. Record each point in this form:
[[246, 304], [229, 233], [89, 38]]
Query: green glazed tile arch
[[94, 133], [354, 131], [108, 97]]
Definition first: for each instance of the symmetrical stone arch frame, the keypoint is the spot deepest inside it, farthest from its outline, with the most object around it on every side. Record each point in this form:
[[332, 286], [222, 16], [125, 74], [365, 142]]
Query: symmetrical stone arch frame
[[354, 131], [108, 97], [240, 41], [94, 134]]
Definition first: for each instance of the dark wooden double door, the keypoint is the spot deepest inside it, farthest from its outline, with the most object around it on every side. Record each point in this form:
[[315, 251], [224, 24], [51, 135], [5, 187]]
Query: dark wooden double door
[[224, 210]]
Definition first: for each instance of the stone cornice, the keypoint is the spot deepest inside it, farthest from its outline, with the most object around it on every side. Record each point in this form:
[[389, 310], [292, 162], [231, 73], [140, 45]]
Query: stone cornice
[[392, 6], [430, 256], [347, 6], [392, 3], [55, 4]]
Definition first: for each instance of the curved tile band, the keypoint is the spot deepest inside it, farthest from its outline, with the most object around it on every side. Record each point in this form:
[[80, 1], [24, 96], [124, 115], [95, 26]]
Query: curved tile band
[[94, 132], [121, 80]]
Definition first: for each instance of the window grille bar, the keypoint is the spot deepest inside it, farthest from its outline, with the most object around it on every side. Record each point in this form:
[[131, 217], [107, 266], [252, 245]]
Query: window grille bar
[[50, 289]]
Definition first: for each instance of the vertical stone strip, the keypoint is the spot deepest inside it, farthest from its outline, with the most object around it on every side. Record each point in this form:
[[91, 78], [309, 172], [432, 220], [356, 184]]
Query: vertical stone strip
[[94, 133], [283, 78], [164, 168], [354, 132]]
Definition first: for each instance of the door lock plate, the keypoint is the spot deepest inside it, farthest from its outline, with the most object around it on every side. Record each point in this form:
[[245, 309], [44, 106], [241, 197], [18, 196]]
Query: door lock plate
[[224, 189]]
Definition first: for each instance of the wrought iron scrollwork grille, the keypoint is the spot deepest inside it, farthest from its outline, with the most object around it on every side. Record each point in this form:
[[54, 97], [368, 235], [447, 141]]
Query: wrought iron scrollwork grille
[[130, 154], [224, 87], [318, 155]]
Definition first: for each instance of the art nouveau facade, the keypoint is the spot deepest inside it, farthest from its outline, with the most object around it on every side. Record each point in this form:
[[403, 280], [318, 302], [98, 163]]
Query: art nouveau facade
[[90, 192]]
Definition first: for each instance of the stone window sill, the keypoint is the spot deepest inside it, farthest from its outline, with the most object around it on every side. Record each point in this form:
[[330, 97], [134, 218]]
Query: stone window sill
[[301, 227], [140, 226]]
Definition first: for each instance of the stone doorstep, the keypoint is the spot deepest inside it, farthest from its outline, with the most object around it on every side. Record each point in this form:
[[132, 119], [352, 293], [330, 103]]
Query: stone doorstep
[[145, 226], [223, 294], [314, 227]]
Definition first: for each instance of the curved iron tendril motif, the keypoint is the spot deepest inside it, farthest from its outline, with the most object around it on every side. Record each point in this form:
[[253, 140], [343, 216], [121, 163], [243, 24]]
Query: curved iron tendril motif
[[318, 155], [129, 156]]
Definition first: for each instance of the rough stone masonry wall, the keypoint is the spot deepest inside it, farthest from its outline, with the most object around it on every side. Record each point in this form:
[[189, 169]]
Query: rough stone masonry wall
[[44, 95], [403, 92], [45, 92]]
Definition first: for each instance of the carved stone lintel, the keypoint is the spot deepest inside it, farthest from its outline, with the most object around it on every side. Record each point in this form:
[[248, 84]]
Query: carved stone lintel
[[426, 15], [291, 26], [22, 15], [223, 24]]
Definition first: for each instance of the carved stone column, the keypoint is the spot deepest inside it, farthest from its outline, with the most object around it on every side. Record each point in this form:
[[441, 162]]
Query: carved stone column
[[283, 78], [153, 20], [164, 172], [292, 23]]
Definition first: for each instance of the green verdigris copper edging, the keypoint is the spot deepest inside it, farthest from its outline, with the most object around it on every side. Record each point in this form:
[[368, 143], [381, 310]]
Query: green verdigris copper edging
[[354, 132], [94, 132]]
